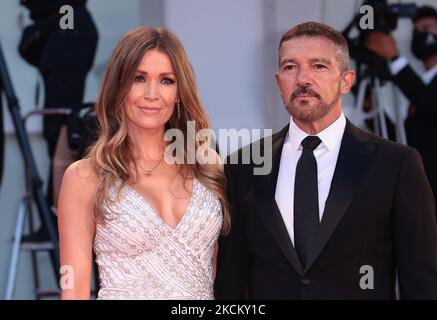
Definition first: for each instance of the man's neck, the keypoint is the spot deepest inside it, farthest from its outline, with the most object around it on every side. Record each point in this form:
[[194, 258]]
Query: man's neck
[[430, 62], [313, 128]]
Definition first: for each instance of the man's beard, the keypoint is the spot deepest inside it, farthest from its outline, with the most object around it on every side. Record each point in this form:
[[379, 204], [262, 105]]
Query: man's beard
[[310, 110]]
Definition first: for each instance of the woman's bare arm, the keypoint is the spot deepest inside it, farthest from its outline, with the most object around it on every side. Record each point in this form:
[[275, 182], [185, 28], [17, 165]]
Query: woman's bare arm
[[76, 230]]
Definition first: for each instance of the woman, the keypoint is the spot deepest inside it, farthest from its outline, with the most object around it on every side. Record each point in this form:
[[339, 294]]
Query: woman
[[153, 224]]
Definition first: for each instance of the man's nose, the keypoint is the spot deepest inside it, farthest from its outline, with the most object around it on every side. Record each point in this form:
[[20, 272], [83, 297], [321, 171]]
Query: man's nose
[[304, 78]]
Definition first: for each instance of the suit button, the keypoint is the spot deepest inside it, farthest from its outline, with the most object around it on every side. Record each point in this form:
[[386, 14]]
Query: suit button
[[306, 282]]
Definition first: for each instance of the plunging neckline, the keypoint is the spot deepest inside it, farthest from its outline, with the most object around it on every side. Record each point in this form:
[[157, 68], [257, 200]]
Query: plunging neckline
[[156, 212]]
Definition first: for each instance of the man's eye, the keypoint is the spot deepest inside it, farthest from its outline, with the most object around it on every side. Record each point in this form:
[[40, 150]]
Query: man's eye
[[167, 81], [319, 66], [139, 79], [289, 67]]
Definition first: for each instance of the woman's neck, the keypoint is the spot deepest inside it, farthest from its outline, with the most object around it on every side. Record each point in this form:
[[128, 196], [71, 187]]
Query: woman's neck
[[147, 144]]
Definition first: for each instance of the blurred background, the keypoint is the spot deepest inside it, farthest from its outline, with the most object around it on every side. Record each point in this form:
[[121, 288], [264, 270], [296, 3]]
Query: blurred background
[[232, 46]]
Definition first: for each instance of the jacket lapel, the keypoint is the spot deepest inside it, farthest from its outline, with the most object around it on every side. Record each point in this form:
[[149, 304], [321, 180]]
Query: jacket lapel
[[265, 187], [353, 160]]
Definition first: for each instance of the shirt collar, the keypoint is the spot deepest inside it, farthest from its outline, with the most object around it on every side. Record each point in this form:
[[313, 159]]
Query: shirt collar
[[330, 136], [429, 75]]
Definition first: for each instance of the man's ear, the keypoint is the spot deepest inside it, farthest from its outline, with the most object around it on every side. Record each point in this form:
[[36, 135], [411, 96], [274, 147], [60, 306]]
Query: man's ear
[[347, 81], [277, 82]]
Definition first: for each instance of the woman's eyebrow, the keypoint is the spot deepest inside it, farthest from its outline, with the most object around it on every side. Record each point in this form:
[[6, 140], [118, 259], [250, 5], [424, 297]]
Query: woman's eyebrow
[[163, 74]]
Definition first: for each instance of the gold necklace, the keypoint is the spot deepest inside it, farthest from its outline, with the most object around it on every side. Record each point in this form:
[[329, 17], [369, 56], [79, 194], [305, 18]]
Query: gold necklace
[[148, 173]]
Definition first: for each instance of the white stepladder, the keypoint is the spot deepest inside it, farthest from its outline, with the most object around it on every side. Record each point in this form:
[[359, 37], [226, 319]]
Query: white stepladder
[[25, 243]]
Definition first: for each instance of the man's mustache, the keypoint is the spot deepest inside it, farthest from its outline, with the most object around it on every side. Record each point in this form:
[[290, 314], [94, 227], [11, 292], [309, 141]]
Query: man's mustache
[[304, 90]]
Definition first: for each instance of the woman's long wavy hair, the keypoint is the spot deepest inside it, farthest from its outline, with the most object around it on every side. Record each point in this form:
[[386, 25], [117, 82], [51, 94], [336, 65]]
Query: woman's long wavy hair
[[112, 155]]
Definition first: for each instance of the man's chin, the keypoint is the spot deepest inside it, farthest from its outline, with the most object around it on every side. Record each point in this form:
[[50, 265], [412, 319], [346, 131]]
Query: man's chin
[[308, 118], [303, 108], [307, 112]]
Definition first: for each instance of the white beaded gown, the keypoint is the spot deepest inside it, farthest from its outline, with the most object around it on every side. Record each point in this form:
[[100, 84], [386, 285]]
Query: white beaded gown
[[140, 257]]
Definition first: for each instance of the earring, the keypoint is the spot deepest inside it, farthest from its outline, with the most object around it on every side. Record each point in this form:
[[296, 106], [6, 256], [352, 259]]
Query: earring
[[179, 108]]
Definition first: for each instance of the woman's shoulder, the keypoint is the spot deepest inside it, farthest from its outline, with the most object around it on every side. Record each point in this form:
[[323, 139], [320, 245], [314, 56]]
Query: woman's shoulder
[[81, 174]]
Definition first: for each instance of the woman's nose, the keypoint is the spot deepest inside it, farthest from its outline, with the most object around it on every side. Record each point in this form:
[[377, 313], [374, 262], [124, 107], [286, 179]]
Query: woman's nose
[[151, 90]]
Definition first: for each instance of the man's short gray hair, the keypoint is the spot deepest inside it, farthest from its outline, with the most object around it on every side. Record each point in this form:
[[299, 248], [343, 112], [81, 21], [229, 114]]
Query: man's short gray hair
[[315, 29]]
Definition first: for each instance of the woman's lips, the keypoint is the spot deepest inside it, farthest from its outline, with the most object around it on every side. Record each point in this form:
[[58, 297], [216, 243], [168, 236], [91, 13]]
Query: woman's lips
[[150, 111]]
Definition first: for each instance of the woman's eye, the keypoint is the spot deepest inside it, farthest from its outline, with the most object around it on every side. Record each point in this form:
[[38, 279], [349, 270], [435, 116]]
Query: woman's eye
[[139, 79], [167, 81]]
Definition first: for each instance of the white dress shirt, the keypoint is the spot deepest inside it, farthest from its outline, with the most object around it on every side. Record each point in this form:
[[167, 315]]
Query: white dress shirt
[[401, 62], [326, 155], [429, 75]]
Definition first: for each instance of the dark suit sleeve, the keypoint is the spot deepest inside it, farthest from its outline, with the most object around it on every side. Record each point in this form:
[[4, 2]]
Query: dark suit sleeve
[[423, 96], [232, 261], [415, 229]]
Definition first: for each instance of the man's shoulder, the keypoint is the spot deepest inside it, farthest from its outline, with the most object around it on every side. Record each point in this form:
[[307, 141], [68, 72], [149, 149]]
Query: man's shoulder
[[385, 146], [254, 159], [247, 152]]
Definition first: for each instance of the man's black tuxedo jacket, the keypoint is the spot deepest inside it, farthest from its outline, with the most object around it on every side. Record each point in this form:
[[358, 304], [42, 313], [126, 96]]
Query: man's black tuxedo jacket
[[379, 213], [421, 125]]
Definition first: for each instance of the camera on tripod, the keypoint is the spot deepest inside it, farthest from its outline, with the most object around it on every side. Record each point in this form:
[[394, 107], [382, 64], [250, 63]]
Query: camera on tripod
[[385, 19], [386, 15], [372, 70]]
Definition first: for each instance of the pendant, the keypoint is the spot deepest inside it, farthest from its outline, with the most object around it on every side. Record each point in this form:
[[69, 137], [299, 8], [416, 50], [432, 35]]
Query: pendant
[[148, 173]]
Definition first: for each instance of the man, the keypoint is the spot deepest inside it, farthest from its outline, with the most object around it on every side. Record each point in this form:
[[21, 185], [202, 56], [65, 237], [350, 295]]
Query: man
[[341, 210], [421, 123], [64, 58]]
